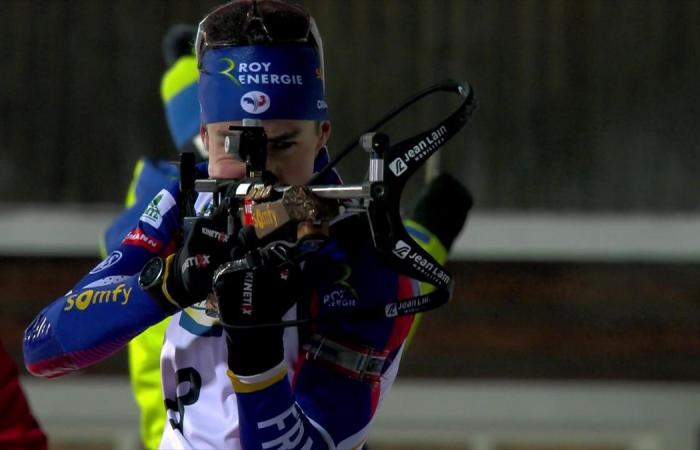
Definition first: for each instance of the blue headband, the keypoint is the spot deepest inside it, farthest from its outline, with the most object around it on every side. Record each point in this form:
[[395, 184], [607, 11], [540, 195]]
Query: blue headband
[[261, 82]]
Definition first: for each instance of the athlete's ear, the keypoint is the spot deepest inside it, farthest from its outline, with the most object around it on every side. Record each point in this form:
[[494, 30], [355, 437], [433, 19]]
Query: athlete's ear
[[324, 133], [205, 137]]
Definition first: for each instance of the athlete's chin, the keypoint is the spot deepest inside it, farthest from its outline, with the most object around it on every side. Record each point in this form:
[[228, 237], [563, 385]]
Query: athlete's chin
[[226, 168]]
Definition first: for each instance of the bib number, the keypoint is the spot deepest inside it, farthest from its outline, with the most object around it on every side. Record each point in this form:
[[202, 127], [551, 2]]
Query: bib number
[[185, 375]]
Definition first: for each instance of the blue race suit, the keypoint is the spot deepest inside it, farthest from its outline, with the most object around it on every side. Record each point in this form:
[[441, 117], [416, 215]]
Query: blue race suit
[[307, 404]]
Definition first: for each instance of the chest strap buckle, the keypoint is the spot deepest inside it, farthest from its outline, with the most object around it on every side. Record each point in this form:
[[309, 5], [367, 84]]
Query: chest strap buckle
[[357, 362]]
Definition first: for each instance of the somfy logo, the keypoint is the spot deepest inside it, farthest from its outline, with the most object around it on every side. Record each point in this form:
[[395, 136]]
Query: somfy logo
[[255, 102], [401, 249], [398, 166]]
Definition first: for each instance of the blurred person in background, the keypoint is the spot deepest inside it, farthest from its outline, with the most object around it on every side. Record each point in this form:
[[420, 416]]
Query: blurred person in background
[[18, 428], [178, 91], [251, 386]]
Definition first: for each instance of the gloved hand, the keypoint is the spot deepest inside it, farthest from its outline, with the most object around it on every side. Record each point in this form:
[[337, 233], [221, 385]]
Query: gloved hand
[[190, 269], [443, 208], [253, 292]]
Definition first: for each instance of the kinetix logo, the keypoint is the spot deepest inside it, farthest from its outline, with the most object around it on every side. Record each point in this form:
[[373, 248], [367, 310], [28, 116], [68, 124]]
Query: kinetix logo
[[197, 261]]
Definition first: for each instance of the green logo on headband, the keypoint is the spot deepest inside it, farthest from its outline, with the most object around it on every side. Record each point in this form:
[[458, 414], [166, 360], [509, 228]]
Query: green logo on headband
[[227, 71]]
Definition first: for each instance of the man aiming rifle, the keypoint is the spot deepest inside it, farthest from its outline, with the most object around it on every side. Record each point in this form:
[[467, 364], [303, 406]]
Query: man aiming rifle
[[231, 378]]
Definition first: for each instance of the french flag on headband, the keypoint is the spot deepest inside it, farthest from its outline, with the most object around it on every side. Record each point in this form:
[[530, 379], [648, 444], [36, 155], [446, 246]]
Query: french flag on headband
[[261, 82]]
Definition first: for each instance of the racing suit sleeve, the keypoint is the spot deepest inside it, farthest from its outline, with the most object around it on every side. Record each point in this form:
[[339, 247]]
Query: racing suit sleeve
[[322, 406], [149, 177], [106, 308]]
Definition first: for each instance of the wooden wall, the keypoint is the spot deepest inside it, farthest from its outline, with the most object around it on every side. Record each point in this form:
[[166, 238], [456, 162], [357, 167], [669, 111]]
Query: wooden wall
[[605, 321]]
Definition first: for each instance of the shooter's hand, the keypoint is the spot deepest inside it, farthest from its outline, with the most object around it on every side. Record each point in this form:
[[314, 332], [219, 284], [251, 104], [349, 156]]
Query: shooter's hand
[[191, 268], [250, 295], [443, 208]]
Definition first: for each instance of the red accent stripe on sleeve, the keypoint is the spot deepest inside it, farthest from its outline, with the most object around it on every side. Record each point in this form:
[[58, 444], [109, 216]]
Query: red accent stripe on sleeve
[[402, 324], [70, 362]]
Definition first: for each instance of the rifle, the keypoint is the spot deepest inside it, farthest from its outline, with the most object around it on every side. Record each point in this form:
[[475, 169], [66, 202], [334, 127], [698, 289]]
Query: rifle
[[258, 208]]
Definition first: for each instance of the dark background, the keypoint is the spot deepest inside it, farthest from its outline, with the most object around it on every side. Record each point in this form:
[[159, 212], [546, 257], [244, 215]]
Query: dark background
[[585, 105]]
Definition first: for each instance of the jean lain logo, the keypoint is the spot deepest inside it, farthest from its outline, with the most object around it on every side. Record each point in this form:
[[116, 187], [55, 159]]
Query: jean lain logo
[[255, 102], [398, 166], [401, 249]]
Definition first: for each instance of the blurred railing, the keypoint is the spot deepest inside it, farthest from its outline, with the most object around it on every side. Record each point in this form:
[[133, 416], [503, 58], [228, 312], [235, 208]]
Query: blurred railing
[[430, 414], [72, 230]]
